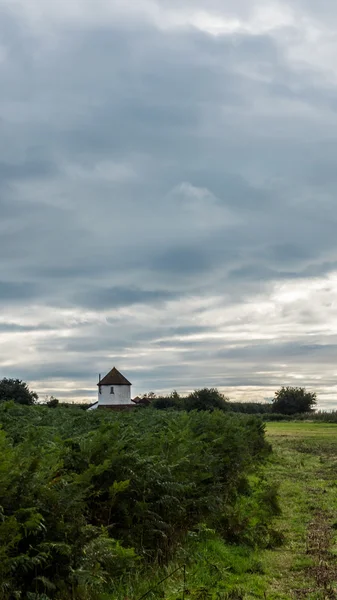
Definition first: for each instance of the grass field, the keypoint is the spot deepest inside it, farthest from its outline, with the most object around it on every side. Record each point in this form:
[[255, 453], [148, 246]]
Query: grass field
[[302, 429], [304, 465]]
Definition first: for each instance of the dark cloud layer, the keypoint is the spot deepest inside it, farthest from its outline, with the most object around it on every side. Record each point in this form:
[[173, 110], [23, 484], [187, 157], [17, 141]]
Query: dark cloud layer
[[166, 192]]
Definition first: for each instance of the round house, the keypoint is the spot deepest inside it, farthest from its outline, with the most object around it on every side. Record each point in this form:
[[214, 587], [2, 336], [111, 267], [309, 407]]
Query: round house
[[114, 391]]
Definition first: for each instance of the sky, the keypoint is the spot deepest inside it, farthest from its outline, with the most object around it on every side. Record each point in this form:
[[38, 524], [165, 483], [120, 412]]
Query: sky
[[168, 195]]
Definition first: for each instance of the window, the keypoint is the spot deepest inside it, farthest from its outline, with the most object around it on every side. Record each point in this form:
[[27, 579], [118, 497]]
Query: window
[[100, 389], [112, 390]]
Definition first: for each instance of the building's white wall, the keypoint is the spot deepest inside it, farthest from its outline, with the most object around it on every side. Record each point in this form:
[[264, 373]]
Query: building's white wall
[[122, 395]]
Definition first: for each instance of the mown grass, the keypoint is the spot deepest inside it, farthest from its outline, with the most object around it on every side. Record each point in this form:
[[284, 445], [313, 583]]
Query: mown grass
[[302, 429], [304, 465]]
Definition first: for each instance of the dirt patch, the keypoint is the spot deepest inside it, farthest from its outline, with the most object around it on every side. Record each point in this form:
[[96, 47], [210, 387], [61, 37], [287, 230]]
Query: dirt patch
[[324, 570], [319, 536]]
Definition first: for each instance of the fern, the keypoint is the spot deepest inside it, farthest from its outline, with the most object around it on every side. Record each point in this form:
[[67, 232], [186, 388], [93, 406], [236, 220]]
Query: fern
[[87, 497]]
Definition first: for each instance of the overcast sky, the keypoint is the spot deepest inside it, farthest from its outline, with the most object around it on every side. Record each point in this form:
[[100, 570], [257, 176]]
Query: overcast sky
[[168, 195]]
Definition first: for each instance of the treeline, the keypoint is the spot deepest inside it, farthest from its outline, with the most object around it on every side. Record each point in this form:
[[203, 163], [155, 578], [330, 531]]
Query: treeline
[[88, 498], [209, 399], [320, 416], [287, 401]]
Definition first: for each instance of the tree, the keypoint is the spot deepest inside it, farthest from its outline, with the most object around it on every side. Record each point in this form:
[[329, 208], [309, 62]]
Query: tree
[[165, 402], [150, 395], [52, 402], [17, 390], [206, 399], [293, 400]]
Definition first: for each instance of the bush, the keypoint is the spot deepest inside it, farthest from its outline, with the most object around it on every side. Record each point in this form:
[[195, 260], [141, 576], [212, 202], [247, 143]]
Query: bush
[[321, 416], [251, 408]]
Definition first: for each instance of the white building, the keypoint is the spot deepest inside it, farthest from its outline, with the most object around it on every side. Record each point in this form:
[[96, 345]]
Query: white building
[[114, 391]]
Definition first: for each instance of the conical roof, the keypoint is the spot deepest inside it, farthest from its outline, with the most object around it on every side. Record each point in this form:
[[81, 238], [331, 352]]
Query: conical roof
[[114, 377]]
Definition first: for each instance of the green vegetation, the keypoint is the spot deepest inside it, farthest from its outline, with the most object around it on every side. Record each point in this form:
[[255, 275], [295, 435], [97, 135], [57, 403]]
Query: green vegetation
[[16, 390], [293, 401], [304, 466], [320, 416], [204, 399], [288, 401], [104, 505], [99, 503]]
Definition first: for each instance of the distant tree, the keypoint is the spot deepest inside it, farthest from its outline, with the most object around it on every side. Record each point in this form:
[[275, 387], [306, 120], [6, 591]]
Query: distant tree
[[206, 399], [165, 402], [53, 402], [150, 395], [250, 407], [17, 390], [293, 400]]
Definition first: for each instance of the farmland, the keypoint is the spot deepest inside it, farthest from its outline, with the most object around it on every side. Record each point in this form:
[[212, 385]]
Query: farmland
[[304, 466], [104, 506]]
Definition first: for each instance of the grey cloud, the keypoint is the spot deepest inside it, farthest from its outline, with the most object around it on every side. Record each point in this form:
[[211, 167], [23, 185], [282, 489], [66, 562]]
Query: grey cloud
[[255, 353], [251, 272], [26, 169], [50, 371], [18, 292], [281, 352], [183, 261], [17, 328], [230, 114], [114, 337], [103, 298], [186, 330]]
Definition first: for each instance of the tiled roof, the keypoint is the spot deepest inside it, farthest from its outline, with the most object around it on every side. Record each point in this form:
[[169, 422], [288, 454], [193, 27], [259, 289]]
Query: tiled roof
[[138, 400], [114, 377]]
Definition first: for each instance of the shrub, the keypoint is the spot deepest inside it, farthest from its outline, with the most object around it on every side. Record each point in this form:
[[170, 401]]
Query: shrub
[[252, 408]]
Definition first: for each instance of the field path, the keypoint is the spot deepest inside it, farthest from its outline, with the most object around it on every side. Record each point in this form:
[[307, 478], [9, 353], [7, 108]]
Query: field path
[[305, 467]]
